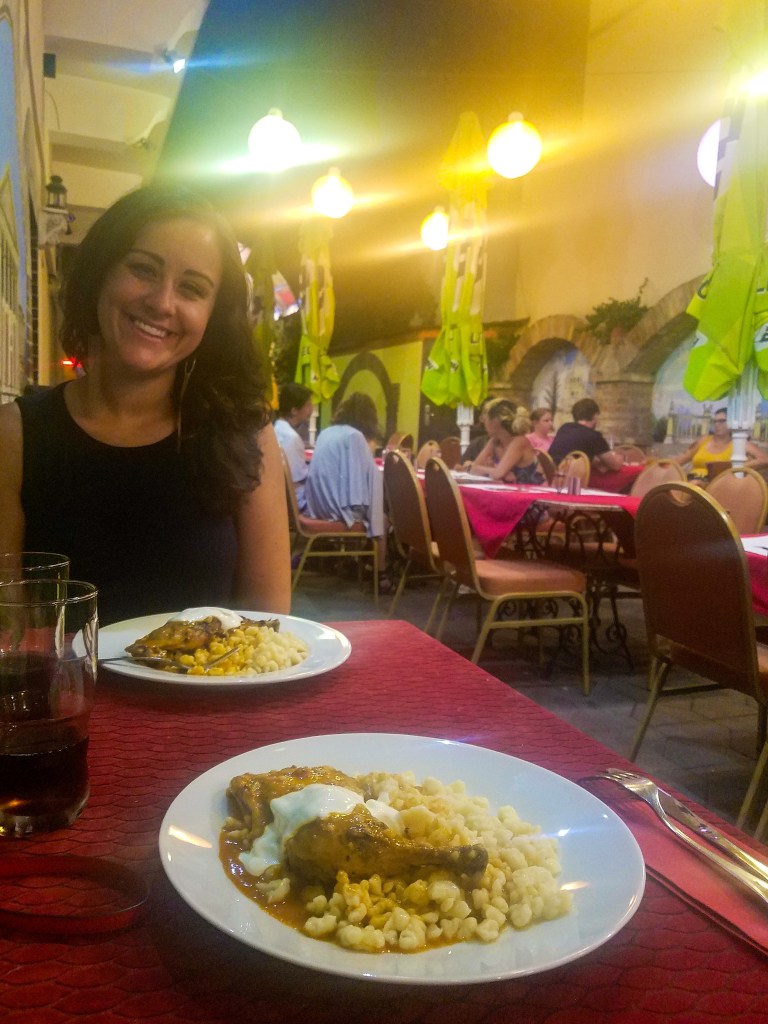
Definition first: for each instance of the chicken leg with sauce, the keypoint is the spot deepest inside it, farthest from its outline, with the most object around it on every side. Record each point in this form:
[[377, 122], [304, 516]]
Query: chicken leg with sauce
[[363, 846]]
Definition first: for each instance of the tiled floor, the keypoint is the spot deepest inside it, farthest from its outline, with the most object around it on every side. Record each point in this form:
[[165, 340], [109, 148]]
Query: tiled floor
[[703, 744]]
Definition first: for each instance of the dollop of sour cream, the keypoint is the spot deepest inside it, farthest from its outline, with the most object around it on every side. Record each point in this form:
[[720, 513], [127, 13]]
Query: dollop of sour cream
[[228, 619], [293, 810]]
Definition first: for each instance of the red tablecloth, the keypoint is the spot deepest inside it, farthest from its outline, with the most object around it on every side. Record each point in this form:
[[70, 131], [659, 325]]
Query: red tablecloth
[[671, 962], [618, 480], [493, 512]]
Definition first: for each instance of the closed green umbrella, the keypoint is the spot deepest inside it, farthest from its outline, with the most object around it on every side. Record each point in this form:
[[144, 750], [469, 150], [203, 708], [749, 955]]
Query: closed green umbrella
[[457, 372], [731, 304], [315, 368]]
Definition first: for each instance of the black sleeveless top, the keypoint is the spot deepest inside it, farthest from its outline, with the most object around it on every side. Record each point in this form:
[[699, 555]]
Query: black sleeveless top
[[126, 517]]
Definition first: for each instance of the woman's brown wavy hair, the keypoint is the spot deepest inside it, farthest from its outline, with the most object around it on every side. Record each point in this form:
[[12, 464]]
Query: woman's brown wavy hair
[[224, 405]]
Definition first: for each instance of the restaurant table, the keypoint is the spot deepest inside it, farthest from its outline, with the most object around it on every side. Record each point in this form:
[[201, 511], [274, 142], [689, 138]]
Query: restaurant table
[[671, 961], [494, 510]]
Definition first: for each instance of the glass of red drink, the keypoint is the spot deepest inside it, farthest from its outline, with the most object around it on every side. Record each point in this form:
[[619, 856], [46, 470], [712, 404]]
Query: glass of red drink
[[48, 654]]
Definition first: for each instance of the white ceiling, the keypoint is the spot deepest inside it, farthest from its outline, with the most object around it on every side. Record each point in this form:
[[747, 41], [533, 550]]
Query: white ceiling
[[108, 108]]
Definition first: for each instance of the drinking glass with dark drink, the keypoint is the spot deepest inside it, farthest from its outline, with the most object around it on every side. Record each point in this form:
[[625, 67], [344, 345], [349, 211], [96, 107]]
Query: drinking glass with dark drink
[[48, 654]]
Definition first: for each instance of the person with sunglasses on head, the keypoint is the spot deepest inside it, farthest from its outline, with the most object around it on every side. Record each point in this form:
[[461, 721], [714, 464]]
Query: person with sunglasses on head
[[717, 447]]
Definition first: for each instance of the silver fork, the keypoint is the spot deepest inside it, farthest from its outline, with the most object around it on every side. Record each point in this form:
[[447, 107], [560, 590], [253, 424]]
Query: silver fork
[[152, 660], [649, 792]]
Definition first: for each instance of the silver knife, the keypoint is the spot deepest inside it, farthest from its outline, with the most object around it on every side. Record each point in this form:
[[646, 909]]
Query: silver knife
[[685, 816]]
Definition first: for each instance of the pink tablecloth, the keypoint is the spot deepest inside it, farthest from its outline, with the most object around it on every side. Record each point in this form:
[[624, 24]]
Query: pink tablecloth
[[670, 962], [493, 512]]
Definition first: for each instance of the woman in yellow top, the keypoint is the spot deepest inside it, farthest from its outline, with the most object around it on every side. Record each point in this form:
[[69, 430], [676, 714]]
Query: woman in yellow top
[[717, 447]]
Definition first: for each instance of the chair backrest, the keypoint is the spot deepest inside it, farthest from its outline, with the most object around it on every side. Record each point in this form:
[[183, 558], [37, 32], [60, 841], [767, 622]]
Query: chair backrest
[[401, 441], [577, 464], [408, 509], [695, 585], [428, 450], [293, 504], [546, 465], [448, 521], [660, 471], [631, 452], [450, 451], [743, 493]]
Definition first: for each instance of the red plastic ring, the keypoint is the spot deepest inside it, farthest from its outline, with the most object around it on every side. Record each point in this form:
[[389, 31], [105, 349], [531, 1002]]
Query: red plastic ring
[[114, 875]]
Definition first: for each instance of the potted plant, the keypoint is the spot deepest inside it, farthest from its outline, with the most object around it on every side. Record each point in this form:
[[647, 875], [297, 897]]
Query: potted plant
[[610, 320]]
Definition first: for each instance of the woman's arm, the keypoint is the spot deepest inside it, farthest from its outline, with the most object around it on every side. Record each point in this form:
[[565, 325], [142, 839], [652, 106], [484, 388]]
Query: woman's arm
[[263, 576], [685, 457], [483, 464], [11, 513], [756, 457]]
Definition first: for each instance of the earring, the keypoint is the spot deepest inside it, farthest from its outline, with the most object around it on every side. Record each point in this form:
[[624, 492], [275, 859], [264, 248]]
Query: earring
[[187, 370]]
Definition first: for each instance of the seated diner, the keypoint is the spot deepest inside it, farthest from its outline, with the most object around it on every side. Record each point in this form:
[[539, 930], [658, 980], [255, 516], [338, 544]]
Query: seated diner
[[717, 447], [508, 454]]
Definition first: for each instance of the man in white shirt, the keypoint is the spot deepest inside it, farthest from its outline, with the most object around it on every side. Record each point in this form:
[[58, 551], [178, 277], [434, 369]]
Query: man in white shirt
[[294, 408]]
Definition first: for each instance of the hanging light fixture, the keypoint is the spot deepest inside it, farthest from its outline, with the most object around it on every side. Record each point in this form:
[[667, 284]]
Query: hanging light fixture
[[706, 154], [434, 229], [332, 195], [514, 148], [274, 143]]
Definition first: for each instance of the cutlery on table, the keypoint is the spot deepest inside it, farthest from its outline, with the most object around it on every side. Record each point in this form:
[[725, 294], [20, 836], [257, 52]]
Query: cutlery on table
[[157, 661], [754, 872]]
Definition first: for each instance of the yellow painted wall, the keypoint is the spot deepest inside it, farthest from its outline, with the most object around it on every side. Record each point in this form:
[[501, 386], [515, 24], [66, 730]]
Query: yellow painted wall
[[402, 363], [620, 199]]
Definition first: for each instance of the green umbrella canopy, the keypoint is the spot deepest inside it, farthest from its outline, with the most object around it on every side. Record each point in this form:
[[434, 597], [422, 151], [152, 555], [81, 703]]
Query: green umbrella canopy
[[314, 368], [457, 371], [731, 304]]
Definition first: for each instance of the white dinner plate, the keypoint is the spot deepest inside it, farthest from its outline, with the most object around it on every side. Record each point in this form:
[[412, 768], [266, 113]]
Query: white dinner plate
[[601, 860], [327, 650]]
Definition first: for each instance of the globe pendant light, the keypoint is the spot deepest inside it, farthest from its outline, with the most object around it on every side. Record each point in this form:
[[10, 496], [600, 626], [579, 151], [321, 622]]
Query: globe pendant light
[[332, 195], [706, 154], [514, 148], [274, 143], [434, 229]]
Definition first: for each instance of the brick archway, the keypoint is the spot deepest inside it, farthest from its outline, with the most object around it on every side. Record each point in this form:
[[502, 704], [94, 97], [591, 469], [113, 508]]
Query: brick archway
[[538, 343]]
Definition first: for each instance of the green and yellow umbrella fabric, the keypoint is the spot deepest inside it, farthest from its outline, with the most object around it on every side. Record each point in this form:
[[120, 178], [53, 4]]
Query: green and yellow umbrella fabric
[[457, 371], [314, 367], [731, 304]]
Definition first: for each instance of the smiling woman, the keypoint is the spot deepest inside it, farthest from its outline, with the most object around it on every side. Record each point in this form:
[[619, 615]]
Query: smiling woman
[[157, 469]]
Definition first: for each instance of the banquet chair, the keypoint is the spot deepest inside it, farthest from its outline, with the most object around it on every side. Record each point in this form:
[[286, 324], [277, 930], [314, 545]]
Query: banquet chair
[[410, 526], [658, 471], [546, 465], [575, 463], [399, 441], [450, 451], [743, 493], [524, 584], [697, 600], [324, 538], [427, 451], [631, 452]]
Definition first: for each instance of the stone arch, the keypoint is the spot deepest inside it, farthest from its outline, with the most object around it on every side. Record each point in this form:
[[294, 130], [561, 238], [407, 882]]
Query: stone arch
[[662, 329], [536, 346], [370, 362]]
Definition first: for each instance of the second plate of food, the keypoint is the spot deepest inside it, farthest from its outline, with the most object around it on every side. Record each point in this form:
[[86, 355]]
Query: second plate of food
[[327, 649]]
